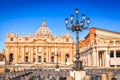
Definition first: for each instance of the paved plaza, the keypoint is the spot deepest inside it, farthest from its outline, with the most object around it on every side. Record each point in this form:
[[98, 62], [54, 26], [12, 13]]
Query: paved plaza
[[55, 74]]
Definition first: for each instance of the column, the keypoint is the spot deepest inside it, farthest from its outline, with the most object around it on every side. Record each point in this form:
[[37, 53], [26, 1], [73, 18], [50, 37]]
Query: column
[[49, 50], [55, 52], [103, 58], [16, 55], [71, 54], [47, 54], [62, 56], [106, 58], [87, 56], [89, 61], [115, 56], [23, 54], [7, 55], [67, 52], [114, 53], [31, 54], [42, 55], [94, 57], [90, 58], [36, 54], [97, 58]]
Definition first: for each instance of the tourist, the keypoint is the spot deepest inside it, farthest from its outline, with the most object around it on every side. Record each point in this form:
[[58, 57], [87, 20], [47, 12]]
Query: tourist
[[114, 78]]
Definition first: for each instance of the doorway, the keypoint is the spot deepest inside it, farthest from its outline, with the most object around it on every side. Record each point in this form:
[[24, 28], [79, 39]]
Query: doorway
[[10, 58]]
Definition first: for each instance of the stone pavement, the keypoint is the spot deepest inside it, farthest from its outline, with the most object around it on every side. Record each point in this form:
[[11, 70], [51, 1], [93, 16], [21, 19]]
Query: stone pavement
[[51, 74]]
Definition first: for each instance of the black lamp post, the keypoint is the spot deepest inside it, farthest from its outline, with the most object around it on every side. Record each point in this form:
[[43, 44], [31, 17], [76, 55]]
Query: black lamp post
[[78, 26], [57, 66]]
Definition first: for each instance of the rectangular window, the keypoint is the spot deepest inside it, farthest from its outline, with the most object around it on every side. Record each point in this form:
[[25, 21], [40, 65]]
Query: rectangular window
[[117, 53], [111, 54], [111, 42], [117, 42]]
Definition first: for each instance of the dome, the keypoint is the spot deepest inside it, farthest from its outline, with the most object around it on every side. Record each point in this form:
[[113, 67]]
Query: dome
[[43, 30]]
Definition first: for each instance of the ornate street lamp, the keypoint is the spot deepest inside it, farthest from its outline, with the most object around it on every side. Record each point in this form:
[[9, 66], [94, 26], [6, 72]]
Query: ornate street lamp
[[57, 54], [78, 26], [57, 66]]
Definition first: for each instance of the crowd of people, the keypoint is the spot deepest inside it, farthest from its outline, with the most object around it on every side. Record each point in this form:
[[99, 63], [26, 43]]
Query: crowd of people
[[51, 74]]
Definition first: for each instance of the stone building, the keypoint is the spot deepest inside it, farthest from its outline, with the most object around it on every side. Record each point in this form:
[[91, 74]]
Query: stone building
[[2, 57], [41, 47], [100, 48]]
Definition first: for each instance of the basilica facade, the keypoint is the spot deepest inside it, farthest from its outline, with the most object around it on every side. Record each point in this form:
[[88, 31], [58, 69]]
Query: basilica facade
[[100, 48], [41, 47]]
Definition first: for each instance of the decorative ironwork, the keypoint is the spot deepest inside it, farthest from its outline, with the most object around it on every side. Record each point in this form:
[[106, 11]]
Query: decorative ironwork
[[78, 26]]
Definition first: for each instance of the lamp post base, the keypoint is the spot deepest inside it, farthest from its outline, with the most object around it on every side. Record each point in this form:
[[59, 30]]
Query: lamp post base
[[57, 66], [77, 65], [78, 75]]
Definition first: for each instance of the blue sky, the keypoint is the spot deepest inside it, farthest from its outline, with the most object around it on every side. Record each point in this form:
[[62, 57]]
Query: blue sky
[[26, 16]]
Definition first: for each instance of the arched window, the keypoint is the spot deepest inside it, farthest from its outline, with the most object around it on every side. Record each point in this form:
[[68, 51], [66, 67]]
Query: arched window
[[52, 59], [66, 57], [26, 58], [11, 39], [11, 57]]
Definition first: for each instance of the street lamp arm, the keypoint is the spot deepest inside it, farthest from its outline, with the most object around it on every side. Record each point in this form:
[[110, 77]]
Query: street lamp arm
[[85, 27], [71, 27]]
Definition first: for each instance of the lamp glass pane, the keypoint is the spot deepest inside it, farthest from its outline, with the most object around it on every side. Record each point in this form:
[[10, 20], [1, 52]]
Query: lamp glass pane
[[76, 11], [83, 17], [66, 21], [72, 17], [88, 20]]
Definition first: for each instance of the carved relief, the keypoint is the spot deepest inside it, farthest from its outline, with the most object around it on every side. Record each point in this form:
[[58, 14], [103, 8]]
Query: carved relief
[[106, 40], [108, 33]]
